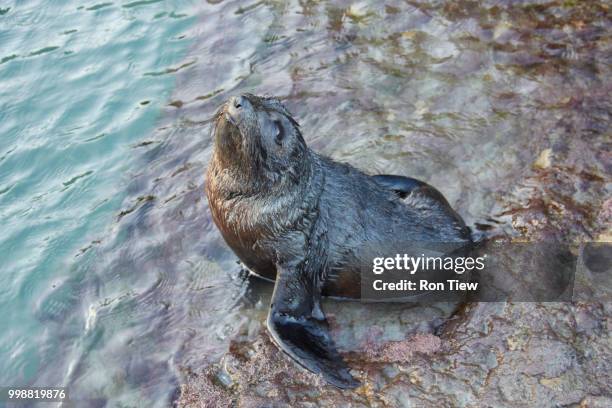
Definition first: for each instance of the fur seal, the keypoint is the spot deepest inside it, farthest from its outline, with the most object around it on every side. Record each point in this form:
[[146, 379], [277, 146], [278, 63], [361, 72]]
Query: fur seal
[[303, 220]]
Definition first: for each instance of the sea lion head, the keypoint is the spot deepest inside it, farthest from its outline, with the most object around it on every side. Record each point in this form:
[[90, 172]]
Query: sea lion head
[[258, 137]]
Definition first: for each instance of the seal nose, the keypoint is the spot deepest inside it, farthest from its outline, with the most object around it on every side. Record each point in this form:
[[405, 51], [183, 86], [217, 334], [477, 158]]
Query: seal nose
[[235, 108], [237, 101]]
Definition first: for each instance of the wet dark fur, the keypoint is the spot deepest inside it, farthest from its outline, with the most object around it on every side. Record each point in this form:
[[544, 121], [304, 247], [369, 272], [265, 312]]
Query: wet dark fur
[[268, 212], [309, 222]]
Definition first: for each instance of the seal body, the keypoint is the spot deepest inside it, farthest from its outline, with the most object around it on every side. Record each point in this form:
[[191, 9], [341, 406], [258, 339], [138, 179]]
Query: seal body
[[310, 223]]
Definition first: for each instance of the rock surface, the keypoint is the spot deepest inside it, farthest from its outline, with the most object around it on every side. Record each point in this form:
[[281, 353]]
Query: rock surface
[[552, 182], [484, 355]]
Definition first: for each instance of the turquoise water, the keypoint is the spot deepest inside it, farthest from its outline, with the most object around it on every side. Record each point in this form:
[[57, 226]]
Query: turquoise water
[[81, 84]]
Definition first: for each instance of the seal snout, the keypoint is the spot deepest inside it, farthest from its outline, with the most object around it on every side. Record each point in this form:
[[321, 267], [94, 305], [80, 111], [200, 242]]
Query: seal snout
[[237, 101], [235, 108]]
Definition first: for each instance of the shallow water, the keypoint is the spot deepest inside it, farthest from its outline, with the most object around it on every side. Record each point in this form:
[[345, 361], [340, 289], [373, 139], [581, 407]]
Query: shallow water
[[114, 278], [81, 84]]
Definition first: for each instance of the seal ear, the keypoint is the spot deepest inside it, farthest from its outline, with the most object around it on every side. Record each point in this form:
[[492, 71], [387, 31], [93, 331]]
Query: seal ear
[[297, 325]]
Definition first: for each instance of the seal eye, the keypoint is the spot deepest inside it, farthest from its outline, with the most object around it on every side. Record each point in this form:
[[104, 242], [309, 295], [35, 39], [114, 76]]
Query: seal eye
[[280, 133]]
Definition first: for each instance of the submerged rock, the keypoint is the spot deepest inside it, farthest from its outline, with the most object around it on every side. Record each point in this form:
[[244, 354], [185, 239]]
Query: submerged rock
[[487, 354], [551, 183]]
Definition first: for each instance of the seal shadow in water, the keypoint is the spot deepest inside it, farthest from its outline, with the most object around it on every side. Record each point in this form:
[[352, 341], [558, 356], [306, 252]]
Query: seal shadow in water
[[309, 223]]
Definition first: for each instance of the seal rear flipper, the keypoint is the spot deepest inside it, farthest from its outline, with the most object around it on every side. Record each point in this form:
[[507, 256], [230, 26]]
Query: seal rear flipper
[[419, 194], [299, 328], [401, 185]]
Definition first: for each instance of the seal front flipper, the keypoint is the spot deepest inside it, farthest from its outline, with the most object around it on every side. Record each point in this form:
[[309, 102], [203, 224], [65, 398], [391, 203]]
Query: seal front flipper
[[401, 185], [297, 325]]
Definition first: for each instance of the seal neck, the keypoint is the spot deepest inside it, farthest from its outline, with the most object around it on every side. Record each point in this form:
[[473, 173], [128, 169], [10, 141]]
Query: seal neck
[[256, 176]]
